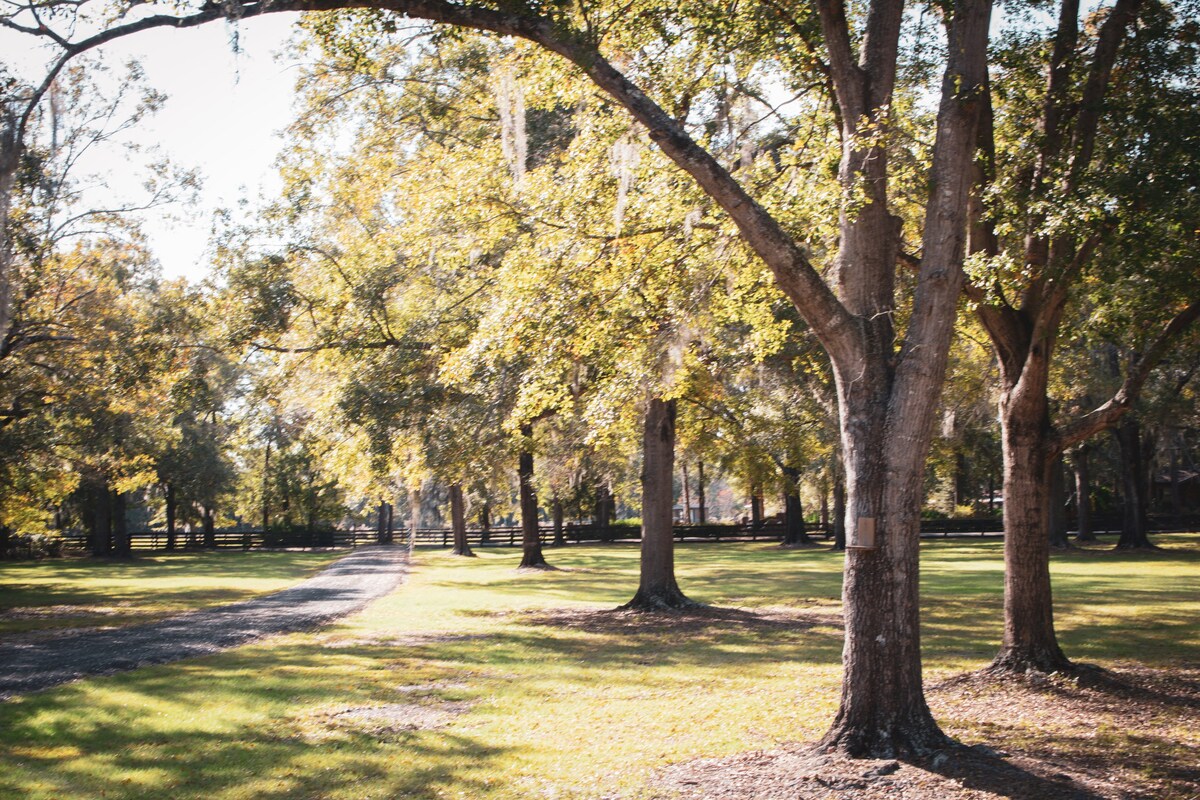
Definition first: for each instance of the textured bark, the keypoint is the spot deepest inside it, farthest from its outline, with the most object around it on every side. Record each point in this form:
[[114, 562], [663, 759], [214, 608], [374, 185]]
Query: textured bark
[[1030, 642], [1134, 487], [1083, 497], [10, 159], [531, 541], [701, 500], [687, 497], [458, 522], [756, 507], [657, 588], [794, 533], [414, 517], [839, 514]]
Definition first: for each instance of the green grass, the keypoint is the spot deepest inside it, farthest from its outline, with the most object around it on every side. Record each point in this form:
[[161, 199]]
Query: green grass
[[549, 709], [82, 592]]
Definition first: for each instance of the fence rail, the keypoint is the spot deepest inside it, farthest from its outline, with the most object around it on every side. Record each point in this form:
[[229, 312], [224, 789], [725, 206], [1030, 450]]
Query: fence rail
[[572, 533]]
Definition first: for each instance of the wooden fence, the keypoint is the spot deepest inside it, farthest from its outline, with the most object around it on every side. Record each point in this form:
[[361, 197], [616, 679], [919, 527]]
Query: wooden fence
[[571, 534]]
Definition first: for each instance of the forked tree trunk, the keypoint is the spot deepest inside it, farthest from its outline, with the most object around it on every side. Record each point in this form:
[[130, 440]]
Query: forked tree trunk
[[657, 589], [531, 540], [1134, 522], [1030, 642], [794, 533], [458, 522], [171, 509], [1083, 497]]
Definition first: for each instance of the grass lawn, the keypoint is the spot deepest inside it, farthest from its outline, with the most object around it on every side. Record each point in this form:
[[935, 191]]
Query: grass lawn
[[87, 592], [476, 680]]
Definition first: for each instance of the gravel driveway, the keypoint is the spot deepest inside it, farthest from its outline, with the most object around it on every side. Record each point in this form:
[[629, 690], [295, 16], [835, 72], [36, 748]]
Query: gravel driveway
[[344, 587]]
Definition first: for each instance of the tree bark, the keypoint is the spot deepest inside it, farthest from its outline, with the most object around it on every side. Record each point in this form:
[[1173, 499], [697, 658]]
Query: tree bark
[[756, 507], [1030, 642], [171, 509], [839, 514], [657, 588], [100, 501], [266, 489], [794, 532], [701, 501], [414, 517], [531, 540], [1083, 497], [687, 497], [1134, 523], [485, 522], [458, 522]]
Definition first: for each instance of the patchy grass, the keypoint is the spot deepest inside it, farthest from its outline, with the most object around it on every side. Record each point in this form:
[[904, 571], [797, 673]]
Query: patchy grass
[[476, 680], [53, 594]]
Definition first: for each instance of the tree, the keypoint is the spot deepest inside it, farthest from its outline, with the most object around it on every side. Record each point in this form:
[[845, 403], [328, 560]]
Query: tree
[[887, 384]]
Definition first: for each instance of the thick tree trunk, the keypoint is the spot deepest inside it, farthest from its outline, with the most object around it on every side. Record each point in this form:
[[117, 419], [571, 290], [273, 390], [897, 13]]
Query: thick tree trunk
[[380, 522], [122, 546], [557, 516], [458, 522], [388, 535], [794, 533], [485, 522], [701, 500], [100, 502], [756, 507], [657, 589], [171, 509], [1030, 642], [531, 540], [1083, 497], [1134, 522], [1058, 505], [603, 512]]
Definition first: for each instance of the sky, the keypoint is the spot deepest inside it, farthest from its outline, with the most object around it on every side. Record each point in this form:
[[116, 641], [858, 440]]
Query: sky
[[223, 116]]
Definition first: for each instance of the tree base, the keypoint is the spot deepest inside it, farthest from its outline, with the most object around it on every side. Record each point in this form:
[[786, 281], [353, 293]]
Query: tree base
[[1012, 662], [463, 553], [538, 566], [1145, 547], [665, 600], [912, 738], [801, 545]]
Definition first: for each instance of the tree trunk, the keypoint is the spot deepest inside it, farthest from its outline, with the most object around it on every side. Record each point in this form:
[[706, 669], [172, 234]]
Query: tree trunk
[[1176, 496], [266, 489], [1058, 505], [485, 523], [210, 534], [380, 521], [414, 517], [839, 513], [458, 522], [11, 149], [701, 507], [756, 507], [687, 497], [657, 589], [122, 546], [101, 509], [1083, 497], [557, 515], [388, 536], [1030, 642], [794, 533], [1134, 523], [531, 540], [171, 509], [602, 514]]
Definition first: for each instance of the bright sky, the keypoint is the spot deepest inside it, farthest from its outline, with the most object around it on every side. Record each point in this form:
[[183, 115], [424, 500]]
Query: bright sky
[[223, 116]]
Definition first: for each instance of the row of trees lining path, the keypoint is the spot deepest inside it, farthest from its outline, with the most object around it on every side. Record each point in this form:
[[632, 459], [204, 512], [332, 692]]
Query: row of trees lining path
[[343, 588], [888, 377]]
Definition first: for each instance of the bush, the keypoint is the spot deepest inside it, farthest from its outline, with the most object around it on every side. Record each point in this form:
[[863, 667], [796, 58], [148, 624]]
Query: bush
[[31, 545]]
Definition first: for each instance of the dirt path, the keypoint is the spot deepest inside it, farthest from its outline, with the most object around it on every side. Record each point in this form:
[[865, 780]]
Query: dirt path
[[342, 588]]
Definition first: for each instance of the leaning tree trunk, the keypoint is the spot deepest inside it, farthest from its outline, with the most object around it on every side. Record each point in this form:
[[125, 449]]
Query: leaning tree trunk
[[531, 540], [1134, 522], [458, 522], [1083, 497], [1030, 642], [794, 533], [657, 589]]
